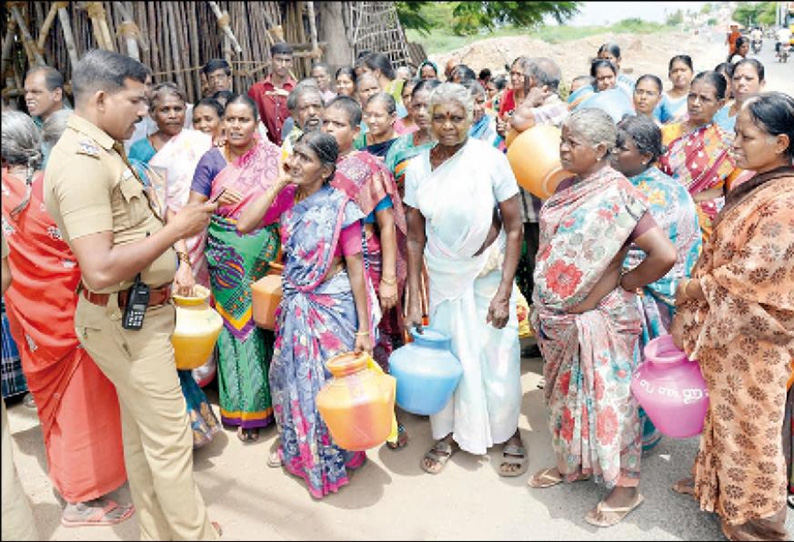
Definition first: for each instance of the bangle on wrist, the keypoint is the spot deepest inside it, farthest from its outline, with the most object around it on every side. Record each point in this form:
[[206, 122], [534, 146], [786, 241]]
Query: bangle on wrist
[[391, 281], [183, 256], [362, 332]]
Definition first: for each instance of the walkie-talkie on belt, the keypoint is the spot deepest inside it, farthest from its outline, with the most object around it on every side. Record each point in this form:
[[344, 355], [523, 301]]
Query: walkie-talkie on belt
[[137, 302]]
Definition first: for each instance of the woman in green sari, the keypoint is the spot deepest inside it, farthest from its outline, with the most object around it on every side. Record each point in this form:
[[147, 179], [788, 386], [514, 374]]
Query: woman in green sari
[[410, 145], [235, 174]]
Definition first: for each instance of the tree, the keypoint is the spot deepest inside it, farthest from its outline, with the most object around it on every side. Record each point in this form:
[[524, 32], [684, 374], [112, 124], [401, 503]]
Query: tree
[[471, 17], [707, 8], [675, 19], [754, 13]]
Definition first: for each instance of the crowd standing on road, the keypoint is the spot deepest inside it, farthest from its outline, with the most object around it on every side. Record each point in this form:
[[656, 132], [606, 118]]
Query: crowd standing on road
[[386, 196]]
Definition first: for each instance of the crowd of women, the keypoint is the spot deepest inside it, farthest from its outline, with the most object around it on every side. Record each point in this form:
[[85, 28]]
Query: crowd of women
[[390, 203]]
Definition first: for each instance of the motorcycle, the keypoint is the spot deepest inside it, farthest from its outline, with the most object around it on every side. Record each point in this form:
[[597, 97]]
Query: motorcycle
[[782, 52], [756, 45]]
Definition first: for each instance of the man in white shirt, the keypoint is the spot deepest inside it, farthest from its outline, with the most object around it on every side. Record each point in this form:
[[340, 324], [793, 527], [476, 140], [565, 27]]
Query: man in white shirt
[[783, 38]]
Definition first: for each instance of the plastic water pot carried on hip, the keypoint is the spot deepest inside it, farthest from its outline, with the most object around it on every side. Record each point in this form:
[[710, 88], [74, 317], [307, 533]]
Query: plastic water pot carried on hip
[[671, 389], [265, 297], [357, 404], [427, 372], [197, 328]]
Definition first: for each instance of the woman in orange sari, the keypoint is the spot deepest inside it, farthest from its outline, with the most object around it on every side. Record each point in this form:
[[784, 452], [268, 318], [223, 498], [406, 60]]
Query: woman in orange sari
[[736, 319], [77, 404]]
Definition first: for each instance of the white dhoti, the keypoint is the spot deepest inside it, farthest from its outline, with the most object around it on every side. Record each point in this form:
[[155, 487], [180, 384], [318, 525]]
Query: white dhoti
[[457, 200]]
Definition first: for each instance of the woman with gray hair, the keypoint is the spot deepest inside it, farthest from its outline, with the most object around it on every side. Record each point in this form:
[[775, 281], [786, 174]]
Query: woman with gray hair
[[52, 130], [77, 405], [586, 316], [462, 210]]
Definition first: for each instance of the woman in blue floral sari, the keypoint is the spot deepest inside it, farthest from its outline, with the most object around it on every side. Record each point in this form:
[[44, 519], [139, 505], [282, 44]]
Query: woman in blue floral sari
[[639, 145], [325, 309]]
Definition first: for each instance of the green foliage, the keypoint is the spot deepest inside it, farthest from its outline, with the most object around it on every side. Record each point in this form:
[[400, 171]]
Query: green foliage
[[675, 18], [707, 8], [712, 21], [469, 18], [753, 13], [410, 15]]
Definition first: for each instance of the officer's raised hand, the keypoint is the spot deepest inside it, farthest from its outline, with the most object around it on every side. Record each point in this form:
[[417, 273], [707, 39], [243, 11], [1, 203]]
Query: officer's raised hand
[[193, 219]]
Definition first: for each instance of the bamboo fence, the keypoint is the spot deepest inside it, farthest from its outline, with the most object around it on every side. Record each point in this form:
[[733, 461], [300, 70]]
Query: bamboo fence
[[175, 38]]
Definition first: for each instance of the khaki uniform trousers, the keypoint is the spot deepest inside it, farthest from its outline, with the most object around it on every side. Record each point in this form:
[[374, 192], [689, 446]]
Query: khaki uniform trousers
[[158, 442], [17, 515]]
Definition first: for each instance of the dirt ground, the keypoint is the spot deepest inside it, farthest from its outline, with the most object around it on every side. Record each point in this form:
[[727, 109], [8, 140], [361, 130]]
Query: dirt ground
[[641, 54]]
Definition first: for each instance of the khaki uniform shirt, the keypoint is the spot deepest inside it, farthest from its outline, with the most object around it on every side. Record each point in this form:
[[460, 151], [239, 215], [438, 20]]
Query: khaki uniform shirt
[[89, 188]]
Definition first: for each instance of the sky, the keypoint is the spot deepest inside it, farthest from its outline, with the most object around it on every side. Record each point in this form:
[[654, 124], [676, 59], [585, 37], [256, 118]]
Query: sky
[[600, 13]]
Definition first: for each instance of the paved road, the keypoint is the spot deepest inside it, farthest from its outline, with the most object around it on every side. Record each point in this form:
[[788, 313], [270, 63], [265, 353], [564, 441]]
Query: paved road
[[779, 76]]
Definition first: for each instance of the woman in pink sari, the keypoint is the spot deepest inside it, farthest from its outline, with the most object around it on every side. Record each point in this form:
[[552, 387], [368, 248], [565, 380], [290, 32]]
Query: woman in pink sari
[[586, 315], [367, 181]]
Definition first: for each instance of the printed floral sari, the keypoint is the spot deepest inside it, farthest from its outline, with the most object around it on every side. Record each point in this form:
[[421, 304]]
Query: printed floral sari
[[700, 160], [589, 357], [742, 335], [675, 213], [315, 321]]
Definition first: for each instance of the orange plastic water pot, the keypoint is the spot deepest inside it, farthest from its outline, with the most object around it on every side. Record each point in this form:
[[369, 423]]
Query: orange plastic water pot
[[357, 404], [266, 296], [197, 328], [534, 156]]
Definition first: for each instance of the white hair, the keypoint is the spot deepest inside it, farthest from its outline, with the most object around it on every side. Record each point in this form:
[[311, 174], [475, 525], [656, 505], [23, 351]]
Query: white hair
[[595, 125], [21, 141], [453, 92]]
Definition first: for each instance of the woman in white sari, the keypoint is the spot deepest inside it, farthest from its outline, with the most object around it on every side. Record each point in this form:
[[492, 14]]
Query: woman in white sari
[[462, 211]]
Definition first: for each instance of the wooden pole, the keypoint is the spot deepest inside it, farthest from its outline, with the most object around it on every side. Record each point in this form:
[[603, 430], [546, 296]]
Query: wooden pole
[[46, 25], [223, 22], [313, 29], [66, 27], [94, 9], [8, 44], [34, 57], [129, 30]]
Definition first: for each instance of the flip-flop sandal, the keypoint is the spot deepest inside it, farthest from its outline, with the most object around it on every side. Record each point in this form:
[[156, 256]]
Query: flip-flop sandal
[[97, 517], [544, 479], [513, 454], [248, 435], [551, 480], [439, 454], [790, 500], [274, 459], [402, 439], [621, 513]]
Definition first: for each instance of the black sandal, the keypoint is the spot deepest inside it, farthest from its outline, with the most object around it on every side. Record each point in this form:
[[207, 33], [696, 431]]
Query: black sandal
[[248, 435]]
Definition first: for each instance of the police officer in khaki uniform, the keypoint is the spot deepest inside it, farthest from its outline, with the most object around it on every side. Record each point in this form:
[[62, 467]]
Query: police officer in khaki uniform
[[17, 515], [102, 211]]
